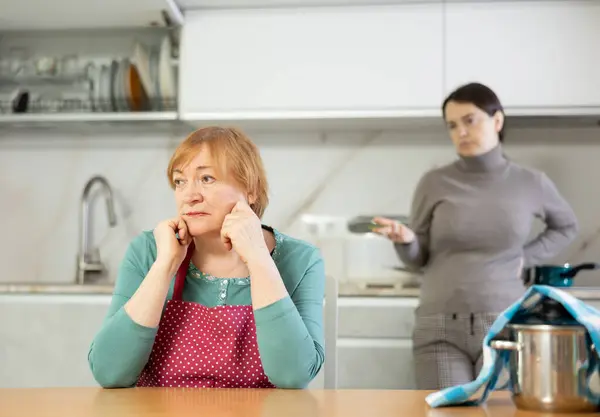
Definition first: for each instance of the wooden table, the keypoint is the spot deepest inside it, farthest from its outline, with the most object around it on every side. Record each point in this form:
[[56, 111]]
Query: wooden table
[[181, 402]]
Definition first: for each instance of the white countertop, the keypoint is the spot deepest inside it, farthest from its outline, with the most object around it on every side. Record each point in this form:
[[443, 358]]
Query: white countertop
[[43, 288], [377, 289], [384, 288]]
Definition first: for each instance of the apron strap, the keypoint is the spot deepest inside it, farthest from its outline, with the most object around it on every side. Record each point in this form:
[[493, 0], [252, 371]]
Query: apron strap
[[182, 273]]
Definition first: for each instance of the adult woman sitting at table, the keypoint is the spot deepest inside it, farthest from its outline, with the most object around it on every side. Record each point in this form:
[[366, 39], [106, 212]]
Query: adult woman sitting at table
[[245, 306]]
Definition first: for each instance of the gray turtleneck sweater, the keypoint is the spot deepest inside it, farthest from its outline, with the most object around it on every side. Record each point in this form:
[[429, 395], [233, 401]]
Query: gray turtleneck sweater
[[472, 219]]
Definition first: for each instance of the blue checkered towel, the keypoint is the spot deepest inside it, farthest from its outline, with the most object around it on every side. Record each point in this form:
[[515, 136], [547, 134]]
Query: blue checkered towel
[[495, 361]]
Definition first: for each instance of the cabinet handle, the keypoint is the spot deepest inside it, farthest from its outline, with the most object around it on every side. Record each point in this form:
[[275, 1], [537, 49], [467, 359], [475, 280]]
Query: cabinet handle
[[380, 286]]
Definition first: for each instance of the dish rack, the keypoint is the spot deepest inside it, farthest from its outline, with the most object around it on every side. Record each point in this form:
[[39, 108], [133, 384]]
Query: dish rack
[[144, 80]]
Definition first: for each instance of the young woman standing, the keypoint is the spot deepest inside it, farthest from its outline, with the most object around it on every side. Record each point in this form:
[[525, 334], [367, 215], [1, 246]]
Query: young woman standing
[[470, 221]]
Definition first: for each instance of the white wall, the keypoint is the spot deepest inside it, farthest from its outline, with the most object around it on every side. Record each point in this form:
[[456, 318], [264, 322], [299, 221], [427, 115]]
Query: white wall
[[42, 177]]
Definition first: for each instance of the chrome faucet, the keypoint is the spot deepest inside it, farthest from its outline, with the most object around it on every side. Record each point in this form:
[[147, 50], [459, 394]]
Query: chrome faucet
[[88, 260]]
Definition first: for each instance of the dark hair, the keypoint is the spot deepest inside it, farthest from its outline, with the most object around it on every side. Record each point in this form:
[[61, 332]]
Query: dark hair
[[479, 95]]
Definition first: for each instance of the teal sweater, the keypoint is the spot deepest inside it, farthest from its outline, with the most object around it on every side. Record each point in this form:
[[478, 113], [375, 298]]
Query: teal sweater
[[289, 331]]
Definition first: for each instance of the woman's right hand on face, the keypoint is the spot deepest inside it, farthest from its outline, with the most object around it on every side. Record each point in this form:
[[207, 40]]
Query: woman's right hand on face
[[170, 250], [393, 230]]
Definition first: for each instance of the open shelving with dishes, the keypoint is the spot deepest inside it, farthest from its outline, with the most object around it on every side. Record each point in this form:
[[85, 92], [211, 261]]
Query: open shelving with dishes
[[89, 75]]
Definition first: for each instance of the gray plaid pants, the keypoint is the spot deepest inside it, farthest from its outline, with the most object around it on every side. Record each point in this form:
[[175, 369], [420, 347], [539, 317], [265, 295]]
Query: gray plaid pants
[[447, 348]]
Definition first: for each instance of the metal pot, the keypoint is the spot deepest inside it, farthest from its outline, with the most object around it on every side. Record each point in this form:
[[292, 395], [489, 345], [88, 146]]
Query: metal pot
[[556, 275], [550, 356]]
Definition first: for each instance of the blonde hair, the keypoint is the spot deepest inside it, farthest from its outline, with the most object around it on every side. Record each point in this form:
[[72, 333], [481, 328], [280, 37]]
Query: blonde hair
[[234, 154]]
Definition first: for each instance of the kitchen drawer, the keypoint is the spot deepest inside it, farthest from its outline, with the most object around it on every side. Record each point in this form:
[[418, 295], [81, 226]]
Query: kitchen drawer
[[378, 317]]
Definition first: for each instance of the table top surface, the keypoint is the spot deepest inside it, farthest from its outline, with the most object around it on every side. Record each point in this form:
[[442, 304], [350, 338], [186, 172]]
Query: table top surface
[[182, 402]]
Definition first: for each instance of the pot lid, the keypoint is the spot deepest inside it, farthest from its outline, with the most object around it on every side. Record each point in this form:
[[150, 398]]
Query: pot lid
[[547, 312]]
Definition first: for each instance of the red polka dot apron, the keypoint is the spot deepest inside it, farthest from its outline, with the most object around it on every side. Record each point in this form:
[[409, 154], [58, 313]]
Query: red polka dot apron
[[203, 347]]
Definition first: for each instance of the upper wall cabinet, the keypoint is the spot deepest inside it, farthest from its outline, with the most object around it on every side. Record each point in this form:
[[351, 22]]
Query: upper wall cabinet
[[29, 15], [533, 54], [352, 60]]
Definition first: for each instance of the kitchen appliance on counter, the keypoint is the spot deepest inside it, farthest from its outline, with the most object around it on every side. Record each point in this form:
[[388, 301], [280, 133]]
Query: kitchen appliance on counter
[[551, 361], [358, 257], [362, 227], [556, 275]]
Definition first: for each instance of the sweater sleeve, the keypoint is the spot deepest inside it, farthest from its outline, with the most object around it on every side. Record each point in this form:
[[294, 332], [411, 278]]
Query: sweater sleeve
[[561, 225], [121, 348], [415, 255], [290, 331]]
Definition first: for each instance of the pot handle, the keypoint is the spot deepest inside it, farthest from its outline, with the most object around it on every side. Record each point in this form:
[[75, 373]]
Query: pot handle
[[505, 345], [576, 269]]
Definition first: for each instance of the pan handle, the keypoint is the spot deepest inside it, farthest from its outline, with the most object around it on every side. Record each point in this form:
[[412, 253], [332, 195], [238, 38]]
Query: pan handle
[[505, 345]]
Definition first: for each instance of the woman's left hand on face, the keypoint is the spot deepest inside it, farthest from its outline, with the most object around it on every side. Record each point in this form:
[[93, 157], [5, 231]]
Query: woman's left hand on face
[[242, 232]]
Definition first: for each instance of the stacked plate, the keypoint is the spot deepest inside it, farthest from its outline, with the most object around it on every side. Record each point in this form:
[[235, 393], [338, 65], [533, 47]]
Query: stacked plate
[[146, 82]]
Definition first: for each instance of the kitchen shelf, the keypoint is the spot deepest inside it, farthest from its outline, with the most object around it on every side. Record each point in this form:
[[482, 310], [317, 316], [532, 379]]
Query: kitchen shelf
[[43, 80], [140, 123], [87, 117], [67, 111]]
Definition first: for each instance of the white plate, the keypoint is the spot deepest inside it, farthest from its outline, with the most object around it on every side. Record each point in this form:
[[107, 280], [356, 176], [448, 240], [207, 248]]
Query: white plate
[[114, 85], [105, 89], [141, 60], [123, 82], [168, 88], [95, 96], [155, 76]]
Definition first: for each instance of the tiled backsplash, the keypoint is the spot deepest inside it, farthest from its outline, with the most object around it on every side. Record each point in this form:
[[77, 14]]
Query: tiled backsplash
[[42, 178]]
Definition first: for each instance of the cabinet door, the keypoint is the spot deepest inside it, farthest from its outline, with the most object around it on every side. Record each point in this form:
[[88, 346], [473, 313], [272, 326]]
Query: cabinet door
[[46, 341], [364, 58], [375, 364], [531, 53]]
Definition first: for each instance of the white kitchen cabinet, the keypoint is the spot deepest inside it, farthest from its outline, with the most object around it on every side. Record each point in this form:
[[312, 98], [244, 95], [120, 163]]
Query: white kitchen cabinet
[[311, 60], [375, 364], [374, 343], [532, 53], [45, 339], [85, 14]]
